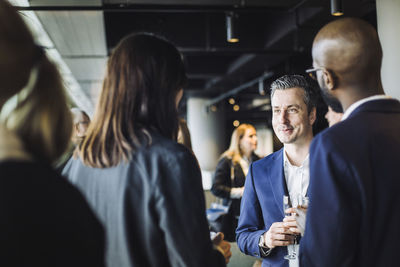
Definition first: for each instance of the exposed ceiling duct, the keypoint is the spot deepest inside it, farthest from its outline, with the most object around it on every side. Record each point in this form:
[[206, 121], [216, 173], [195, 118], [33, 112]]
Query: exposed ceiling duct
[[275, 36]]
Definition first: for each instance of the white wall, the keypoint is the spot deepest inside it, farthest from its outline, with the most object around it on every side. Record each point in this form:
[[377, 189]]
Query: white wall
[[388, 16]]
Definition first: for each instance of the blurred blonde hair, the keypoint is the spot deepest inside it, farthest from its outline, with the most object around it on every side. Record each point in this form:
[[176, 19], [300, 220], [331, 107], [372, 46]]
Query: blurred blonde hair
[[234, 152], [32, 86], [184, 134]]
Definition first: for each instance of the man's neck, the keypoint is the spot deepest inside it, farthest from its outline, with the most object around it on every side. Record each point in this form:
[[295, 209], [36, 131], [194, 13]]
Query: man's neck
[[297, 153], [350, 95], [246, 155]]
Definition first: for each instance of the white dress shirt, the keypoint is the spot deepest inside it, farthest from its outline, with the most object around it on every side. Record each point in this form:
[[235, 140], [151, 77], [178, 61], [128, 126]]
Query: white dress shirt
[[297, 177], [297, 181]]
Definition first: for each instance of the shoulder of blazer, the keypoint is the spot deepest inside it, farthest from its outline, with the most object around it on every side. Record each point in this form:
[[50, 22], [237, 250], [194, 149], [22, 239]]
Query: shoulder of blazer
[[269, 160], [268, 167]]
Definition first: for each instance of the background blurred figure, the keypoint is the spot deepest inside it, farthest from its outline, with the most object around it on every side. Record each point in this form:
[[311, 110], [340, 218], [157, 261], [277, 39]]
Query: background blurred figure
[[184, 134], [335, 111], [145, 187], [332, 116], [45, 221], [81, 123], [230, 174]]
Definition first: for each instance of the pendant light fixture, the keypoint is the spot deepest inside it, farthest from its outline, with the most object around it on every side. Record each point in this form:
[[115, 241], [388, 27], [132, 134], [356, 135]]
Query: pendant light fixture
[[336, 8], [231, 29]]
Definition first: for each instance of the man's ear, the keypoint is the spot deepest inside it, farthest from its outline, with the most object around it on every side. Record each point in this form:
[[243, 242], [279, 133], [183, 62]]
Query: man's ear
[[329, 79], [312, 117]]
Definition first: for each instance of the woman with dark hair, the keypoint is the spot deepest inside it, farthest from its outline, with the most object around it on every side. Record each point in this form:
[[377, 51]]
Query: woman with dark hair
[[145, 187], [45, 221]]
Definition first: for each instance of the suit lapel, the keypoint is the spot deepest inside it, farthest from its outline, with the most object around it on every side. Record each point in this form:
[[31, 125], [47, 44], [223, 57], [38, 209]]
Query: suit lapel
[[277, 180]]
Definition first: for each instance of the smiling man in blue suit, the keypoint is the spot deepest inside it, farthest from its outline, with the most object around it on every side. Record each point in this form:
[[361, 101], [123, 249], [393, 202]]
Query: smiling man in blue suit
[[261, 231], [353, 218]]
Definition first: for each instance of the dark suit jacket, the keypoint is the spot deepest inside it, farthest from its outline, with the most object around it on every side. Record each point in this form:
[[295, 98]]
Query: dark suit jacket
[[262, 205], [354, 216], [152, 207]]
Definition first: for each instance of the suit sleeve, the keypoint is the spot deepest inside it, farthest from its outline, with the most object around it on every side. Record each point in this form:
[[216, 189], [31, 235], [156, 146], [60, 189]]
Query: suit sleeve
[[221, 186], [251, 224], [334, 211], [181, 206]]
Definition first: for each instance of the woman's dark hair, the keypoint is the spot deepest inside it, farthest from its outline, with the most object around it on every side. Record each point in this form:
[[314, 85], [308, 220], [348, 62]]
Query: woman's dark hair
[[144, 75]]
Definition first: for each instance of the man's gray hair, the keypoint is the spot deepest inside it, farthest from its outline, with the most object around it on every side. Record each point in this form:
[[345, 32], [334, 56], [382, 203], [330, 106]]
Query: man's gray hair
[[297, 81]]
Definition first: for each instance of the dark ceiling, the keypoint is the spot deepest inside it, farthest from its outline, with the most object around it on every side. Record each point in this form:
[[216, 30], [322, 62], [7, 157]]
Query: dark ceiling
[[275, 37]]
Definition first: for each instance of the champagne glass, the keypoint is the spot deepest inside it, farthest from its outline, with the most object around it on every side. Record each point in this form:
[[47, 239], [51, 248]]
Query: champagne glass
[[304, 202], [286, 205]]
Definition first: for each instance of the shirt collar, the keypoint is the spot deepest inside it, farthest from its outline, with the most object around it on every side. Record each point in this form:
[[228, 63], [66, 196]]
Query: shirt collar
[[360, 102], [287, 162]]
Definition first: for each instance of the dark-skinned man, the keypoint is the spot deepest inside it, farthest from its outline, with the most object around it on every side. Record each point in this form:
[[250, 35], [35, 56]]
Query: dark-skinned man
[[353, 218]]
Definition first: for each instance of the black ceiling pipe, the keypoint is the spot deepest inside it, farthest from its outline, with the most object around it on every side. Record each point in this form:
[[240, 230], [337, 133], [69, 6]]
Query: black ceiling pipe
[[159, 8]]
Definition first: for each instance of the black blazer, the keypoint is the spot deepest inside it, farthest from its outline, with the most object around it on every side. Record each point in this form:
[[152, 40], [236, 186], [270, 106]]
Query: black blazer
[[152, 207], [222, 182]]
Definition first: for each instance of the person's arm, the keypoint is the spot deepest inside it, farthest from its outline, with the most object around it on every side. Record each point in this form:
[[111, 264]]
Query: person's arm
[[222, 245], [180, 206], [334, 211], [252, 237], [251, 224], [221, 186]]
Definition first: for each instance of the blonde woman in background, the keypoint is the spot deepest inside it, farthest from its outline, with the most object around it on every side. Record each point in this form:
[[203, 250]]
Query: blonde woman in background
[[230, 174], [45, 220], [184, 134]]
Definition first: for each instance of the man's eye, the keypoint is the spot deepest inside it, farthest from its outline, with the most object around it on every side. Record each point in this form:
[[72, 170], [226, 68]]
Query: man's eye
[[292, 110], [276, 111]]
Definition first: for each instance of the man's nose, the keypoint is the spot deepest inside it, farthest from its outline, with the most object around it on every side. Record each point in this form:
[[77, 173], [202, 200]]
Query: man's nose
[[283, 117]]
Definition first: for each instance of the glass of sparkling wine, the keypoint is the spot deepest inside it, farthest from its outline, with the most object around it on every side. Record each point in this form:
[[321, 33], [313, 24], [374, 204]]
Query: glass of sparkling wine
[[286, 205]]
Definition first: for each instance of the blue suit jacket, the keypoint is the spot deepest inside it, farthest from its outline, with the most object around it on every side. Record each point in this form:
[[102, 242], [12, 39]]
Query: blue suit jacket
[[354, 216], [262, 205]]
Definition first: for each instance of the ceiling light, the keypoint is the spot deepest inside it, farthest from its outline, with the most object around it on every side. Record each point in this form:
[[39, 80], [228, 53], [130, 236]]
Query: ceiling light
[[231, 29], [336, 8], [236, 123], [231, 101], [236, 107]]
